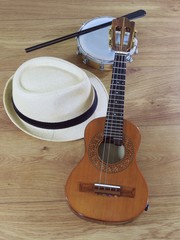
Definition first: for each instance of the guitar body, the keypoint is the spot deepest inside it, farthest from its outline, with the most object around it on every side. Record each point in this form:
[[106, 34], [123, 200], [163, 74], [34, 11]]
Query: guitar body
[[105, 202]]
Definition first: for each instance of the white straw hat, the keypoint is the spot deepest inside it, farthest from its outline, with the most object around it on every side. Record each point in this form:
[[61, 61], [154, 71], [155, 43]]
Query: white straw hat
[[52, 99]]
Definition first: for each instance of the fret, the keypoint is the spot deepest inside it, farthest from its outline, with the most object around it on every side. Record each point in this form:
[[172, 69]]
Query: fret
[[122, 72], [110, 127], [114, 130], [122, 76], [118, 97], [115, 107], [114, 134], [114, 121], [115, 110], [119, 67], [115, 104], [118, 87], [114, 125], [114, 113], [123, 69], [117, 131], [117, 81], [120, 64], [115, 116], [119, 73], [116, 101], [115, 92]]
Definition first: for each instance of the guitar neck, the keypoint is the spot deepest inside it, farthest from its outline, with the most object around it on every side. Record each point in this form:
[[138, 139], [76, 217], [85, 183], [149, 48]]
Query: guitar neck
[[113, 130]]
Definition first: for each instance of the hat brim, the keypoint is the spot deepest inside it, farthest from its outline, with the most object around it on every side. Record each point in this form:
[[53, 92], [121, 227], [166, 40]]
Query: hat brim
[[60, 135]]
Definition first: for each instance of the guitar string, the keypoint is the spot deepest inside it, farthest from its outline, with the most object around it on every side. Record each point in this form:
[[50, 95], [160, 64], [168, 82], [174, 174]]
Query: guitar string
[[111, 113], [109, 126], [103, 160], [115, 114], [105, 146]]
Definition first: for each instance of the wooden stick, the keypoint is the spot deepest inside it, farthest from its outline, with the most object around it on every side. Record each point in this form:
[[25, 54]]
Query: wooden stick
[[130, 16]]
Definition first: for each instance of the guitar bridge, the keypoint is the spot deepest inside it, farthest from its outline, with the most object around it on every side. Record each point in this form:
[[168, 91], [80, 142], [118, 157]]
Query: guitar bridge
[[108, 190]]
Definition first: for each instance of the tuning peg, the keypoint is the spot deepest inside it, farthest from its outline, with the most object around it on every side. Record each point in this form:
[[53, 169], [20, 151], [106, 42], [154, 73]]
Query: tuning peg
[[136, 51], [129, 58], [110, 43], [110, 37], [110, 31]]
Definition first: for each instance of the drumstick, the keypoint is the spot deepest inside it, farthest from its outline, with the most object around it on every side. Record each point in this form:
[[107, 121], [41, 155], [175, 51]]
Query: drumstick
[[130, 16]]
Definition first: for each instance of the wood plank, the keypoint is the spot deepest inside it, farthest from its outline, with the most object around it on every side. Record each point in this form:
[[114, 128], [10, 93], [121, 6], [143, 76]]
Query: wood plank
[[54, 220]]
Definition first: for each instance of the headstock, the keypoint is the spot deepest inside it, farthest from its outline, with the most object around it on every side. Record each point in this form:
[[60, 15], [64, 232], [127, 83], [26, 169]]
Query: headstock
[[121, 34]]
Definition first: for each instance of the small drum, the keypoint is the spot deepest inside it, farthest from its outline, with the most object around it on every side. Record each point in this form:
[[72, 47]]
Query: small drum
[[94, 46]]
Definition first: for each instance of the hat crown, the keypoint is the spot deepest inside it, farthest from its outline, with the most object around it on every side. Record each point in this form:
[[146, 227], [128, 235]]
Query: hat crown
[[46, 79], [51, 90]]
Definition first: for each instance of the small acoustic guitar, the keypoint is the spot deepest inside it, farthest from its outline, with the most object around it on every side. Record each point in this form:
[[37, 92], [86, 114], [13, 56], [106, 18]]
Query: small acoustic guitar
[[107, 184]]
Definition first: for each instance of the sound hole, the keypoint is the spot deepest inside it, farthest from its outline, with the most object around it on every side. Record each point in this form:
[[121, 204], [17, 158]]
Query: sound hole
[[111, 153], [120, 157]]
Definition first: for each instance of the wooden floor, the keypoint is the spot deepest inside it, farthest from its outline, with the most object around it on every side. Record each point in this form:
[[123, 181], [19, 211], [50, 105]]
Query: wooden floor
[[33, 172]]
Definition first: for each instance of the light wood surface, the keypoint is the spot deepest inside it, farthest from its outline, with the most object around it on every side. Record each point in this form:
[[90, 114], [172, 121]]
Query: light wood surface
[[33, 172]]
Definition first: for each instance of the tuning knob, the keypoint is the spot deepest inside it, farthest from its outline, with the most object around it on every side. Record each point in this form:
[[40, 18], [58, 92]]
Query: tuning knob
[[136, 51], [110, 43], [110, 37], [110, 31], [129, 58]]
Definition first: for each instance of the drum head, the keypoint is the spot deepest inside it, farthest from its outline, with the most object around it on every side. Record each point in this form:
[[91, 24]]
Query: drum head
[[95, 45]]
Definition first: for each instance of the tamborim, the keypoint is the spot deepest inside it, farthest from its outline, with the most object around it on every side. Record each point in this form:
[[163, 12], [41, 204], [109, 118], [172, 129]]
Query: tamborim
[[94, 47]]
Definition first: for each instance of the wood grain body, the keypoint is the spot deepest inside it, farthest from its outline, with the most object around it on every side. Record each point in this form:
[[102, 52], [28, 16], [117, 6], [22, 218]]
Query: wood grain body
[[107, 208]]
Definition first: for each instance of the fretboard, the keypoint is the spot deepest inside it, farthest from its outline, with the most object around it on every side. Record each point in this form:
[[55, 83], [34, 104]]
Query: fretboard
[[113, 130]]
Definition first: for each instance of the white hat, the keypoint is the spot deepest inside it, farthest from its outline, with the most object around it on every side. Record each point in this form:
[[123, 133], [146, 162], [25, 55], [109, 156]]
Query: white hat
[[52, 99]]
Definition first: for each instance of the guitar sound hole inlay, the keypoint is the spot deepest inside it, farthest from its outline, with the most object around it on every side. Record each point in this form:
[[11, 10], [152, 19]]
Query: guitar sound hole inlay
[[109, 157]]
